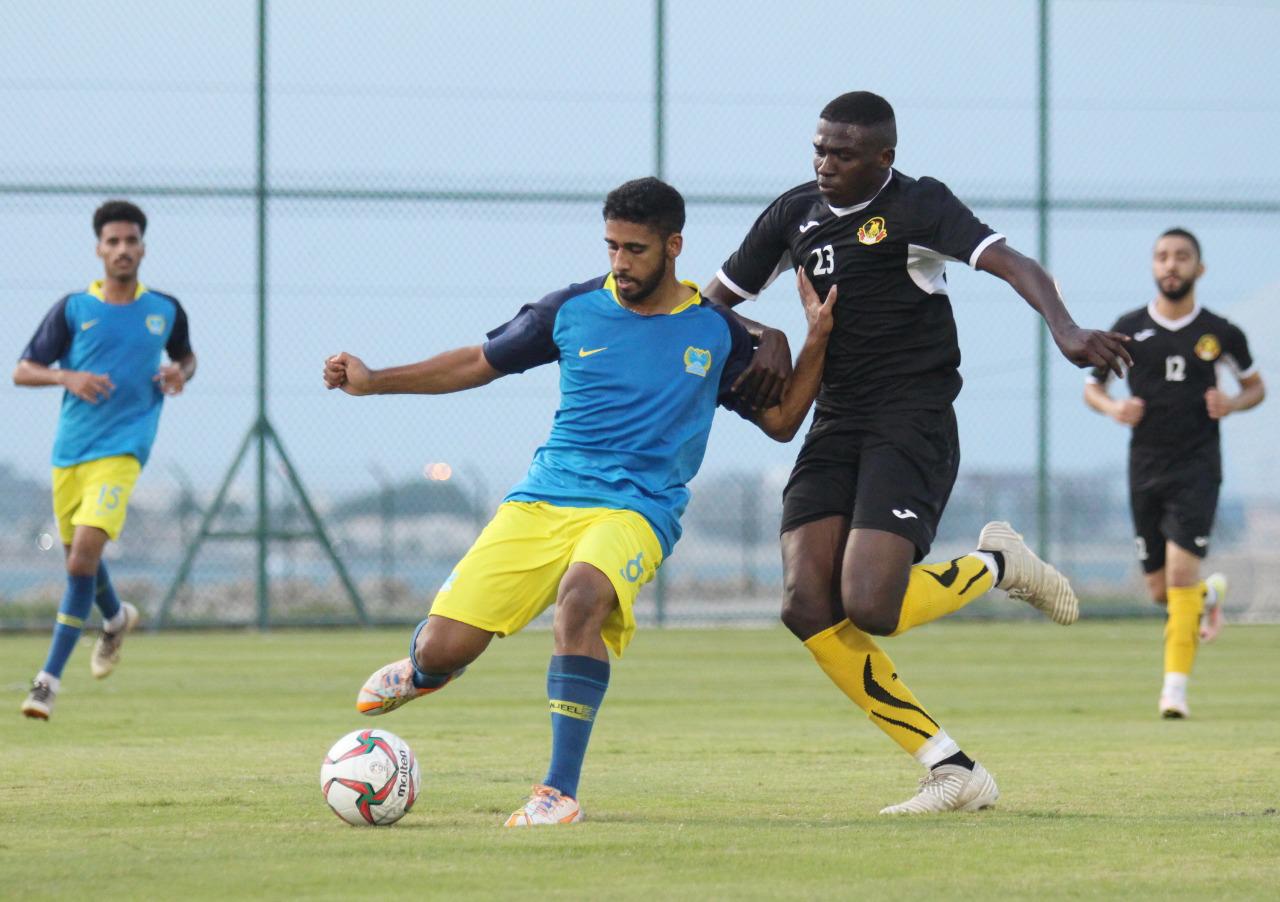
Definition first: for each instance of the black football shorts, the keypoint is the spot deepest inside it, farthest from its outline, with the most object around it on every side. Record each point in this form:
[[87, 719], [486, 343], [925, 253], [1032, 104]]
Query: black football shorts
[[1172, 507], [892, 471]]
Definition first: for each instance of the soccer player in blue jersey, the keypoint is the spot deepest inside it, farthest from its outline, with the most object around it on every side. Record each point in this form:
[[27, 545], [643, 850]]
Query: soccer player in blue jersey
[[643, 364], [102, 346]]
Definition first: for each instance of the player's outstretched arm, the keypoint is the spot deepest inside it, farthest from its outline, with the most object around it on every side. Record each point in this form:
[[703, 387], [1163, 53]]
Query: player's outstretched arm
[[760, 385], [451, 371], [782, 420], [1083, 347], [90, 387]]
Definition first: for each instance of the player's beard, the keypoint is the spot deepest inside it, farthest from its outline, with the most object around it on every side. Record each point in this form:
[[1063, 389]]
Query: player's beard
[[1179, 291], [643, 289]]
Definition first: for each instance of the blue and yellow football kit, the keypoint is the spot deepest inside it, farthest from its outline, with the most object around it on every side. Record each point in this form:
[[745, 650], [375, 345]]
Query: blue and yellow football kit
[[608, 487], [100, 448]]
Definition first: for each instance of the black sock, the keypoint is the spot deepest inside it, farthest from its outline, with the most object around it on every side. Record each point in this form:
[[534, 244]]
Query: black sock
[[958, 758], [998, 556]]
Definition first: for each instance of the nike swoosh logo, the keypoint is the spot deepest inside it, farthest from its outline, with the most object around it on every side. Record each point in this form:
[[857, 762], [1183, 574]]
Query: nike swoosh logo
[[1201, 541], [808, 225], [88, 324], [905, 514], [1144, 334], [583, 352]]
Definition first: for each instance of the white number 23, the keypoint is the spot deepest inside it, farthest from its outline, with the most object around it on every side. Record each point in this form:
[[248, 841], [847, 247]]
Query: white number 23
[[824, 262]]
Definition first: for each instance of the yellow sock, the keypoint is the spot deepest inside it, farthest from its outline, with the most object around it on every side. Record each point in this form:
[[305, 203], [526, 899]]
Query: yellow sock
[[1182, 628], [935, 590], [863, 672]]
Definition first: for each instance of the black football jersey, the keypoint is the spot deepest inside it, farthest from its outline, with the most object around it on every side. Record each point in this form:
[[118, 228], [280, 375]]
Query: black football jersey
[[1174, 363], [894, 338]]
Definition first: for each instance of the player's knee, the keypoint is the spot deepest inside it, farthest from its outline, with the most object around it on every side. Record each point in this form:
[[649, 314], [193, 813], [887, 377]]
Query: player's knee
[[580, 614], [805, 612], [877, 621], [81, 564], [438, 653]]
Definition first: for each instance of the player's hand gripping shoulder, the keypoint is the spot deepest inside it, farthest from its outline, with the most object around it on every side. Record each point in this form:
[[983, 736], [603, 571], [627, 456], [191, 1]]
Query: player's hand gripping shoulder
[[782, 421]]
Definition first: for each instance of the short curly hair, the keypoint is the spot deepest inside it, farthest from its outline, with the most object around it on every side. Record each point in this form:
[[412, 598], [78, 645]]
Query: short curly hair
[[118, 211], [647, 201]]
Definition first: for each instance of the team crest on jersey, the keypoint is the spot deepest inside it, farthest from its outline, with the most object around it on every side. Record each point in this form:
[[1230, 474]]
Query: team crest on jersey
[[873, 231], [697, 361], [155, 324], [1208, 348]]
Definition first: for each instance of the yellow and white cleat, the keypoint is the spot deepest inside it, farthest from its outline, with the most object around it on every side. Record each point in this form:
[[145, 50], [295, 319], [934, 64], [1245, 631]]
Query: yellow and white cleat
[[951, 787], [106, 651], [1029, 579], [391, 686], [546, 806]]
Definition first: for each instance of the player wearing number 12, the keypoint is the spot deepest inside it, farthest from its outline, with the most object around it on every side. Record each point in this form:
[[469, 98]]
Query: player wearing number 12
[[103, 346], [643, 364], [1175, 463]]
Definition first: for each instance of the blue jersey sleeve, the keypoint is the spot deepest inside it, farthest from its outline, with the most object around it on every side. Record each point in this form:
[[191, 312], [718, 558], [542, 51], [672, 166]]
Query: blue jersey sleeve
[[528, 339], [741, 350], [52, 338]]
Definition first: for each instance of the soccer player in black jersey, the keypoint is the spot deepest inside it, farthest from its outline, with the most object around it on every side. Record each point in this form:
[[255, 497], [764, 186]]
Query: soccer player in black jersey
[[1175, 464], [863, 502]]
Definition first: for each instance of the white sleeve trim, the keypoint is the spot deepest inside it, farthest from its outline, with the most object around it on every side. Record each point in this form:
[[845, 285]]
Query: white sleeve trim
[[733, 286], [986, 243]]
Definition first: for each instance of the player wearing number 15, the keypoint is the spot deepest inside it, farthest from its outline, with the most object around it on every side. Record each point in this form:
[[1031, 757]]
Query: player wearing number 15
[[1179, 350], [102, 346]]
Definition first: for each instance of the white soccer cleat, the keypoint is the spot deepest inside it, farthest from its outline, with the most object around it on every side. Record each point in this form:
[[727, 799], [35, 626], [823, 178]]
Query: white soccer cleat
[[1211, 622], [1173, 705], [950, 787], [391, 686], [39, 701], [546, 806], [1029, 579], [106, 651]]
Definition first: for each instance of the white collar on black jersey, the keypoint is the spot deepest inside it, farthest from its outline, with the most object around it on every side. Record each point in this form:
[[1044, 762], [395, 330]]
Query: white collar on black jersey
[[845, 211], [1173, 325]]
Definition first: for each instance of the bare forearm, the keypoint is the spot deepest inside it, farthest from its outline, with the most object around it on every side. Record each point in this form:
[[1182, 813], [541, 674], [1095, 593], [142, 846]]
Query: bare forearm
[[32, 374], [1098, 398], [1250, 396], [451, 371], [783, 421]]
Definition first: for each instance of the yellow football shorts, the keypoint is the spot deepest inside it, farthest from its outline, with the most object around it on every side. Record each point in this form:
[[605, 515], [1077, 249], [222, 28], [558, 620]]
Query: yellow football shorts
[[513, 571], [94, 493]]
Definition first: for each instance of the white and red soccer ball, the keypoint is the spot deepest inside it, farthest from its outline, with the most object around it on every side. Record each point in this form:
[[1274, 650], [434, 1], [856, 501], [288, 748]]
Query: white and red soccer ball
[[370, 778]]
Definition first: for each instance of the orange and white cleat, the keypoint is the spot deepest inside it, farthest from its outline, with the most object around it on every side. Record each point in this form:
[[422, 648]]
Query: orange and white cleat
[[391, 686], [546, 806]]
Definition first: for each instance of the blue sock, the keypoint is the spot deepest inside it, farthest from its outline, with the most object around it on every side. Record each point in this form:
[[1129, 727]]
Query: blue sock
[[421, 678], [575, 688], [76, 604], [105, 597]]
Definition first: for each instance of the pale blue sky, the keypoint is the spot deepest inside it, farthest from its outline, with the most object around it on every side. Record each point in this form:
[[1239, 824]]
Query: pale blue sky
[[1151, 100]]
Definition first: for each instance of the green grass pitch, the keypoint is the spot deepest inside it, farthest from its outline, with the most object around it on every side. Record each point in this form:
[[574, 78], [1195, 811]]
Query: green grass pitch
[[724, 765]]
